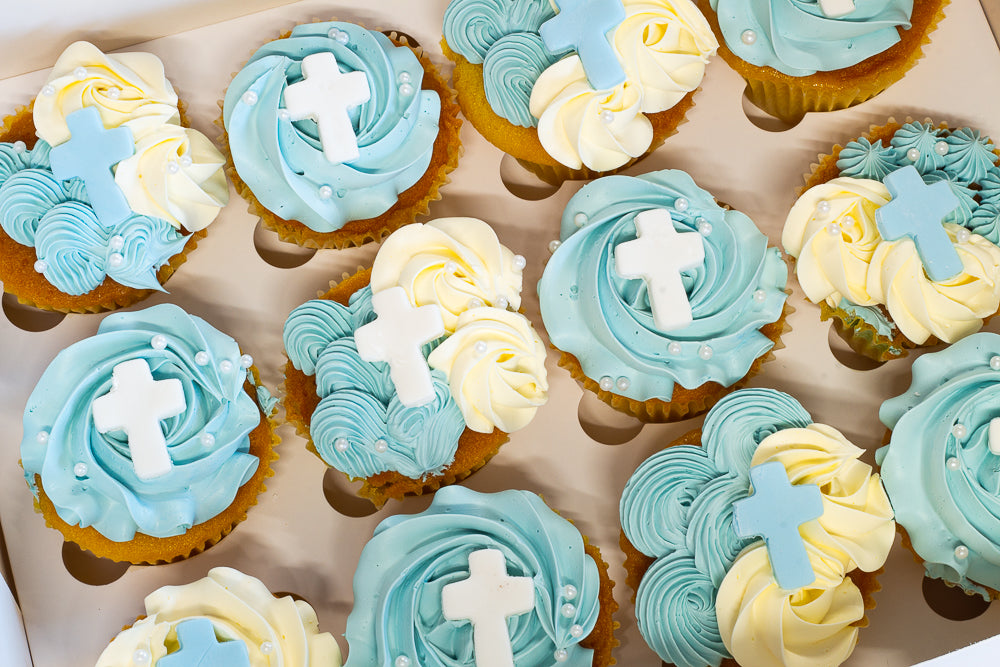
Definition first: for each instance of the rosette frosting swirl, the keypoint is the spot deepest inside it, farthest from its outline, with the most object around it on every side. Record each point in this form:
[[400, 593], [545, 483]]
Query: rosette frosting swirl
[[275, 631], [282, 161], [61, 439], [796, 38], [939, 468], [410, 559], [606, 321]]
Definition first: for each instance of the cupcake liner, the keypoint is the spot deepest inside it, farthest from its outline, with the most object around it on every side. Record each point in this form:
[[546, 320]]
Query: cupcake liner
[[412, 202], [790, 98], [300, 400], [523, 144], [684, 403], [17, 261], [602, 638], [148, 550]]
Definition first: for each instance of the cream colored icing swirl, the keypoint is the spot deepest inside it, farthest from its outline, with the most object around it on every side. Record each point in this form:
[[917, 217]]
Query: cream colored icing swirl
[[765, 626], [456, 263], [240, 608], [495, 363], [857, 526]]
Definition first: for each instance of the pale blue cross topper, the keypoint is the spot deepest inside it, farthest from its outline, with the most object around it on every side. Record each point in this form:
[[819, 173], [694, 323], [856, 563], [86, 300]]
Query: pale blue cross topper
[[583, 25], [200, 648], [89, 154], [916, 210], [775, 511]]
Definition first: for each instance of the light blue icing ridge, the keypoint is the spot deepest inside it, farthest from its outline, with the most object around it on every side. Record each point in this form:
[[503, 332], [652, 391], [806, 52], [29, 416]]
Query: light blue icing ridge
[[941, 508], [56, 218], [990, 187], [986, 222], [472, 27], [797, 39], [863, 159], [283, 162], [923, 137], [358, 401], [411, 558], [967, 204], [110, 497], [606, 321], [871, 316], [970, 156], [510, 70], [678, 508]]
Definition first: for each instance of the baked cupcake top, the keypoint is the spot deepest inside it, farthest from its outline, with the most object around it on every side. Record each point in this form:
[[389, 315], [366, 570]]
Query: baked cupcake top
[[114, 184], [799, 38], [712, 592], [422, 577], [942, 286], [476, 363], [91, 425], [226, 618], [637, 57], [940, 467], [375, 138], [731, 288]]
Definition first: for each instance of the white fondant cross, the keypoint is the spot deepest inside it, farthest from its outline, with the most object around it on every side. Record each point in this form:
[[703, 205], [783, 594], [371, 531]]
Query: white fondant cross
[[994, 436], [325, 95], [834, 9], [658, 256], [395, 337], [487, 599], [136, 404]]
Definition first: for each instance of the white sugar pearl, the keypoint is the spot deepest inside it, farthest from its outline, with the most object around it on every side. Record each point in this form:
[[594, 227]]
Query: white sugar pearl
[[953, 463], [705, 352], [80, 73], [186, 161], [963, 235], [519, 262], [674, 348], [569, 592], [568, 610], [404, 77], [42, 437], [226, 366], [480, 348], [402, 661], [823, 207], [704, 227], [250, 98], [913, 155], [332, 33], [115, 260], [114, 93], [173, 167], [325, 192], [748, 37], [117, 242], [760, 296], [342, 37], [48, 89], [341, 444], [580, 219], [41, 266], [576, 631], [206, 439], [941, 148], [451, 266], [501, 302], [623, 383], [607, 117], [554, 245], [20, 147], [606, 383], [201, 358], [476, 303], [961, 552], [80, 469], [681, 204], [832, 229], [959, 431], [158, 342], [561, 655], [995, 363], [284, 115], [246, 361], [267, 648], [141, 656], [381, 445], [405, 89]]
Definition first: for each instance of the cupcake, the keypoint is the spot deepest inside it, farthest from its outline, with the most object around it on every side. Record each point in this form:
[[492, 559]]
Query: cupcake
[[339, 135], [574, 89], [103, 190], [660, 300], [149, 441], [498, 574], [710, 591], [227, 618], [940, 465], [896, 237], [410, 374], [798, 57]]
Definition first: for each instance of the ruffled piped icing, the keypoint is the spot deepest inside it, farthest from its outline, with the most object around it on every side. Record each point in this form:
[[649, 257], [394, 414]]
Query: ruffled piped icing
[[662, 47], [939, 467], [843, 259], [606, 321], [282, 161], [710, 594], [275, 631], [488, 371], [796, 38], [411, 558], [60, 434]]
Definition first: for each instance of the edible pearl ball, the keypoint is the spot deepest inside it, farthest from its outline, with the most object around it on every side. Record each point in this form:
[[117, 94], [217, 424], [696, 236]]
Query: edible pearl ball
[[325, 192], [961, 552], [201, 358], [402, 661], [913, 155], [246, 361], [760, 296], [341, 444], [141, 656], [606, 383], [568, 610], [748, 37], [823, 207], [114, 93], [476, 303], [674, 348], [576, 630], [963, 235], [519, 262], [186, 161], [158, 342], [80, 73], [995, 363], [117, 242], [173, 167], [405, 89], [705, 352], [41, 265], [266, 648], [704, 227], [80, 469], [953, 463], [332, 33], [20, 146], [48, 89], [959, 431], [607, 117], [623, 384], [250, 98], [381, 446], [561, 655], [554, 245], [284, 115], [226, 366], [569, 591], [501, 302], [207, 439], [42, 437], [580, 219], [941, 148], [115, 260], [480, 348], [681, 204], [342, 37], [404, 77]]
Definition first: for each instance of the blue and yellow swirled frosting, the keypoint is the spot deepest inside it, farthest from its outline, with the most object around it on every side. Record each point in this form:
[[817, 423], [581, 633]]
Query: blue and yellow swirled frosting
[[939, 468], [488, 371], [282, 161], [410, 559], [797, 38], [89, 476], [605, 320], [711, 595]]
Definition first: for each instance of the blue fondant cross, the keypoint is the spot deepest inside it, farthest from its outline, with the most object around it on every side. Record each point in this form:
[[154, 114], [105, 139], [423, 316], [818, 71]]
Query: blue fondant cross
[[200, 648], [583, 25], [775, 511], [916, 210], [89, 154]]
